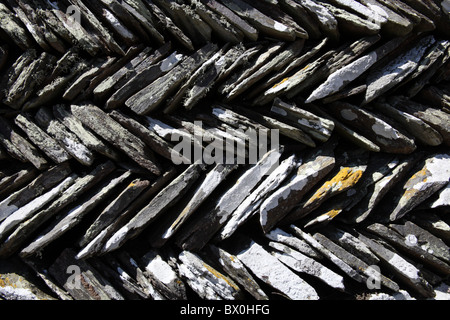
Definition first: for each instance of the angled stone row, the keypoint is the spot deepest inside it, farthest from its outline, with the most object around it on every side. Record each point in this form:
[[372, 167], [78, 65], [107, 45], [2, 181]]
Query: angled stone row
[[96, 97]]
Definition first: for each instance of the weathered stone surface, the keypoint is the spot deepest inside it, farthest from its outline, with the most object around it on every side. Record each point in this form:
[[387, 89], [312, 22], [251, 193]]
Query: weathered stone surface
[[251, 204], [65, 137], [378, 190], [29, 79], [352, 244], [336, 85], [352, 23], [346, 178], [348, 73], [17, 180], [19, 146], [223, 29], [380, 81], [260, 21], [237, 271], [106, 87], [432, 223], [346, 132], [53, 90], [365, 270], [285, 129], [25, 230], [199, 232], [152, 140], [16, 283], [93, 286], [193, 79], [249, 31], [407, 244], [318, 128], [143, 78], [387, 137], [114, 209], [149, 98], [210, 183], [275, 63], [163, 277], [35, 188], [102, 124], [82, 37], [421, 22], [73, 217], [170, 26], [425, 240], [436, 118], [96, 245], [279, 204], [210, 77], [431, 62], [270, 270], [259, 61], [338, 262], [120, 277], [274, 11], [405, 271], [41, 139], [205, 280], [11, 25], [162, 202], [301, 263], [76, 89], [97, 27], [66, 117], [290, 82], [28, 210], [415, 126], [290, 240], [301, 16], [433, 176], [309, 52], [323, 17], [341, 56], [396, 24], [366, 12]]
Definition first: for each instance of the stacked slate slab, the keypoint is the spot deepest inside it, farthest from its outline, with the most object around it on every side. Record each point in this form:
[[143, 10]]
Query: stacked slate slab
[[110, 189]]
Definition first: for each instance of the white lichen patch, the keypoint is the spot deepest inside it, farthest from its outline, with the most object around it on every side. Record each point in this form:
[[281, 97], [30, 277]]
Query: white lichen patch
[[115, 241], [32, 207], [170, 62], [404, 267], [384, 130], [393, 73], [270, 270], [280, 27], [349, 115], [161, 270], [343, 76]]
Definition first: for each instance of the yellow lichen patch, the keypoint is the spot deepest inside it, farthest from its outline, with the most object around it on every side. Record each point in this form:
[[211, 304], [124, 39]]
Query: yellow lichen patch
[[280, 83], [420, 176], [305, 68], [333, 213], [218, 275], [6, 282], [346, 178]]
